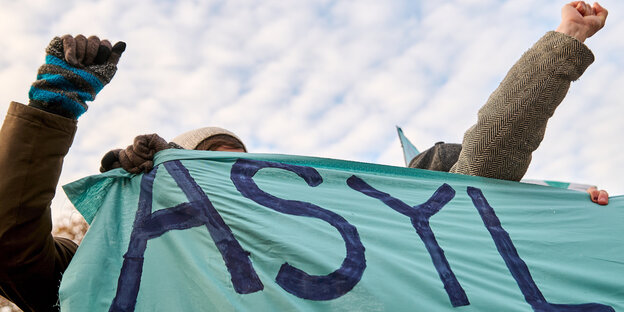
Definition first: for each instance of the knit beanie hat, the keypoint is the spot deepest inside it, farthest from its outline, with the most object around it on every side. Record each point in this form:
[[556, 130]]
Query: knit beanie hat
[[441, 157], [189, 140]]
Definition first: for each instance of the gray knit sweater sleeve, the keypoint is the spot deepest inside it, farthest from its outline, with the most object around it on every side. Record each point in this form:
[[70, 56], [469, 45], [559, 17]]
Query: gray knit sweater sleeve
[[511, 125]]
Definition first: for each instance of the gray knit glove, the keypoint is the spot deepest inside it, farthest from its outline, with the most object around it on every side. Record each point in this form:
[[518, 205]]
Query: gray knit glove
[[76, 69]]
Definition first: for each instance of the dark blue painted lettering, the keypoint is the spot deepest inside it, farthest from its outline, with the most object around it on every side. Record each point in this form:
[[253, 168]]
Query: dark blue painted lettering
[[198, 211], [516, 265], [419, 215], [290, 278]]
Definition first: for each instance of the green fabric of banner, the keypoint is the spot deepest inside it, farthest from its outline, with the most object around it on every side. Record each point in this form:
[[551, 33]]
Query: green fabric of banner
[[225, 231]]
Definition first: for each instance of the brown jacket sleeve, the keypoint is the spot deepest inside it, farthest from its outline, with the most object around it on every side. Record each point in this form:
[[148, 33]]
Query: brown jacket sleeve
[[511, 125], [33, 144]]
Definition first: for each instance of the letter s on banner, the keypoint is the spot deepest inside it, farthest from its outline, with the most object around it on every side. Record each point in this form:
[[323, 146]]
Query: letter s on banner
[[290, 278]]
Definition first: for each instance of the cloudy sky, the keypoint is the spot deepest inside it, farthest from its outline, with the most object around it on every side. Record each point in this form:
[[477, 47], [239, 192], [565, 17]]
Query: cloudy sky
[[321, 78]]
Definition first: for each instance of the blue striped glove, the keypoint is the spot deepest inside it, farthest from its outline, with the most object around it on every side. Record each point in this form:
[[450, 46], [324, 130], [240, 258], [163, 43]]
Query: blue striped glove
[[76, 69]]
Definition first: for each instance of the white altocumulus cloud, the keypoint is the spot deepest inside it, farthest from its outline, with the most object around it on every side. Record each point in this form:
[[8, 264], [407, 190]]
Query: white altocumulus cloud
[[321, 78]]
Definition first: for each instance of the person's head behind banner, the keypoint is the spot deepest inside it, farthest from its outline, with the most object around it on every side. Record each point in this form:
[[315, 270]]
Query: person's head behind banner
[[210, 139], [441, 157]]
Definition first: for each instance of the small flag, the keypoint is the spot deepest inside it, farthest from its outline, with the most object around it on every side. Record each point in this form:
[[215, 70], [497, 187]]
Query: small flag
[[409, 150]]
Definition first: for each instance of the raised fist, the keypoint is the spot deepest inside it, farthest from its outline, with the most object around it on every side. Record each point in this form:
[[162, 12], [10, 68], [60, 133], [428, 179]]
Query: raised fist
[[580, 20], [76, 69]]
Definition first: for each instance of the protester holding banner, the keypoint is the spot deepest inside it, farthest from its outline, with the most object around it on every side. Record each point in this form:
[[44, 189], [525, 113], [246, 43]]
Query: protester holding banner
[[36, 137], [512, 123]]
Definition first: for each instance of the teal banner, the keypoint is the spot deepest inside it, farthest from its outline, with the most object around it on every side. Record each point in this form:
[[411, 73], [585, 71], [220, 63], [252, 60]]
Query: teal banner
[[218, 231]]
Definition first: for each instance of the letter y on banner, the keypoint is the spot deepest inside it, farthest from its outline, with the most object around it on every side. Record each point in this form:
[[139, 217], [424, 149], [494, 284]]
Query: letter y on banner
[[419, 215]]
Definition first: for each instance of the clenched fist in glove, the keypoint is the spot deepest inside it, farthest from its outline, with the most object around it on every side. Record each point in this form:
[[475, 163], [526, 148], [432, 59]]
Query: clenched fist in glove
[[76, 69], [138, 157]]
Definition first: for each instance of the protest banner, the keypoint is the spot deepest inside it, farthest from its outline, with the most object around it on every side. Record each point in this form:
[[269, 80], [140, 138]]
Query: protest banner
[[254, 232]]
